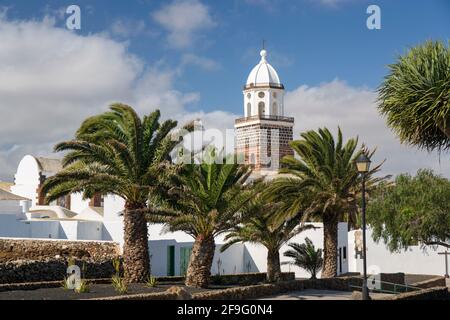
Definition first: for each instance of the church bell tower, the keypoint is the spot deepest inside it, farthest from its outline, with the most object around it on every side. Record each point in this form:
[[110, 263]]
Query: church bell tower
[[264, 133]]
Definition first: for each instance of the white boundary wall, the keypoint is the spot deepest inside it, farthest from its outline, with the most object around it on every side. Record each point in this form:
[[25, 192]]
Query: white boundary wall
[[414, 260], [255, 256]]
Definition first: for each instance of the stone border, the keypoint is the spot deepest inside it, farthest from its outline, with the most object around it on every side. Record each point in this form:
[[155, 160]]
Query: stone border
[[245, 292], [436, 293], [251, 292], [264, 290], [140, 296], [248, 292], [38, 249], [235, 279], [27, 271], [430, 283]]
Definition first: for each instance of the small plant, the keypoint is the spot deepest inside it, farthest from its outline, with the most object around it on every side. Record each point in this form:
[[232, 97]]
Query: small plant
[[83, 268], [119, 284], [65, 284], [70, 261], [151, 282], [306, 257], [84, 287], [116, 265]]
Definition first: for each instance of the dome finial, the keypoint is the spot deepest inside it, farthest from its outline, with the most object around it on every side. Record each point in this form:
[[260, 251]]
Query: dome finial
[[263, 52]]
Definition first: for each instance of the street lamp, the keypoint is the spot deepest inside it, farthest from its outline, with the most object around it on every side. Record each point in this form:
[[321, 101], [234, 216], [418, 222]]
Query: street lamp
[[363, 165]]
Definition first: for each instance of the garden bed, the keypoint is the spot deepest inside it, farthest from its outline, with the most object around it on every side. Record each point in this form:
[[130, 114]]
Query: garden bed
[[97, 290]]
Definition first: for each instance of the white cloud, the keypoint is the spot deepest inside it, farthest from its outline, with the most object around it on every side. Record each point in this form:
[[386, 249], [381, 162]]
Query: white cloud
[[202, 62], [184, 20], [127, 28], [155, 90], [336, 104], [49, 74], [51, 79]]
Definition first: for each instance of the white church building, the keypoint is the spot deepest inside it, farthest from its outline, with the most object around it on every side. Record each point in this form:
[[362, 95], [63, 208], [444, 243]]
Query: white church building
[[262, 136]]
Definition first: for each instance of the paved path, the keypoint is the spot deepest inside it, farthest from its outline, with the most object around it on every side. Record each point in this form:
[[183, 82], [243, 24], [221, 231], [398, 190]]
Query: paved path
[[313, 294]]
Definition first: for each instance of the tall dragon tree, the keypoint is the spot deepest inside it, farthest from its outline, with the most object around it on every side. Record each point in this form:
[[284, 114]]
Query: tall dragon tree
[[415, 96]]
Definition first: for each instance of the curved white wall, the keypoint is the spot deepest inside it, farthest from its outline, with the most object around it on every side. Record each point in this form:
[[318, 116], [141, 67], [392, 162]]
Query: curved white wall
[[26, 179]]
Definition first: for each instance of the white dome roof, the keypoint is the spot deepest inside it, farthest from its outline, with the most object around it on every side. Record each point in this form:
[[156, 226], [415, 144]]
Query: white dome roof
[[263, 73]]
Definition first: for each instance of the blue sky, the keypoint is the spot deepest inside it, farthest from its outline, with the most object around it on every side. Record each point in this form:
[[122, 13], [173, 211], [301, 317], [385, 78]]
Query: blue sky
[[310, 41], [190, 58]]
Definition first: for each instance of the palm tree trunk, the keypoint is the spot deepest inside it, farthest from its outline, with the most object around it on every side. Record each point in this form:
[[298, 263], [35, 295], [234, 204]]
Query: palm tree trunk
[[200, 262], [330, 239], [135, 250], [273, 265]]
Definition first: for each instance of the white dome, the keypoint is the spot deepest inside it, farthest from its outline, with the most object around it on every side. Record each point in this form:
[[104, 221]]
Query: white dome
[[263, 73]]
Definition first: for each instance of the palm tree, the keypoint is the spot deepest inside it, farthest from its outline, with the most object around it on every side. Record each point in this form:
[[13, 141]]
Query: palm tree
[[306, 257], [415, 96], [118, 153], [205, 200], [257, 228], [322, 185]]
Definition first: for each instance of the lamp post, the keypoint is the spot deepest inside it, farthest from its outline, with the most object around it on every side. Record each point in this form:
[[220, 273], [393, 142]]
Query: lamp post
[[363, 165]]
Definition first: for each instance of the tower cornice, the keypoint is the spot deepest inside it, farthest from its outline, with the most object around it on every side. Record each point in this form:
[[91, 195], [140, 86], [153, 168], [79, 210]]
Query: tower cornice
[[263, 86]]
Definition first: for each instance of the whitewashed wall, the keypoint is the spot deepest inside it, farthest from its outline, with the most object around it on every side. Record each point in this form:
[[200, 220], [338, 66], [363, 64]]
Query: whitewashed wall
[[77, 203], [11, 227], [89, 230], [112, 206], [13, 207], [113, 231], [414, 260], [255, 256], [43, 229], [232, 260], [26, 179]]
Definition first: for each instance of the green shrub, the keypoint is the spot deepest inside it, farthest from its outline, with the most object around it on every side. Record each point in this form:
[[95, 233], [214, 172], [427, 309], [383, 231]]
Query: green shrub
[[65, 284], [151, 282], [84, 287], [116, 265], [119, 284]]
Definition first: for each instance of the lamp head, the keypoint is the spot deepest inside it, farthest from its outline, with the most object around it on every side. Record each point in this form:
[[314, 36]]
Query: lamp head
[[363, 163]]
